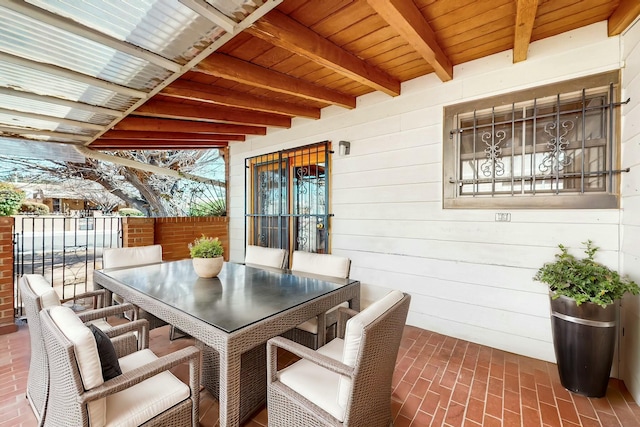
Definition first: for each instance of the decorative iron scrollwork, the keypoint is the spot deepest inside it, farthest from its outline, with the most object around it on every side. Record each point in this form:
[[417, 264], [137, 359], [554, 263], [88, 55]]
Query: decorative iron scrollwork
[[557, 158], [493, 166]]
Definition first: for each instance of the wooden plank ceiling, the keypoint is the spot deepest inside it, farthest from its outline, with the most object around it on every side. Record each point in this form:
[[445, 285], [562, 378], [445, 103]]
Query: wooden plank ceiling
[[306, 55]]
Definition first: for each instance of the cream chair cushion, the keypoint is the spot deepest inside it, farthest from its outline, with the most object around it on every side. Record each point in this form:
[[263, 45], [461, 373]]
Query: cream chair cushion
[[43, 289], [311, 325], [268, 257], [127, 257], [138, 404], [50, 298], [324, 265], [317, 384], [86, 352], [320, 264], [354, 333]]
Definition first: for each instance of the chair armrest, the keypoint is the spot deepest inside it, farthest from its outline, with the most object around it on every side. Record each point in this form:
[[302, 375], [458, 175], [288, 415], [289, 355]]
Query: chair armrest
[[141, 326], [100, 294], [188, 354], [306, 353], [100, 313], [344, 314]]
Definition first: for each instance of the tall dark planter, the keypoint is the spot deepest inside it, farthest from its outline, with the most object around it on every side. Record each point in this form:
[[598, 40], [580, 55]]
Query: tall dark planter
[[584, 339]]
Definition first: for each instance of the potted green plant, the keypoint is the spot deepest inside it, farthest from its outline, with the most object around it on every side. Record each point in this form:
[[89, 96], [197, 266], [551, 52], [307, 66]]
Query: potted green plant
[[584, 297], [206, 253]]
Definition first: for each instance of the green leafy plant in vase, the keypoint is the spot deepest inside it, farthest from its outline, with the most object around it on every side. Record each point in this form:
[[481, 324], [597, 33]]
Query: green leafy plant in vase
[[584, 297], [206, 253]]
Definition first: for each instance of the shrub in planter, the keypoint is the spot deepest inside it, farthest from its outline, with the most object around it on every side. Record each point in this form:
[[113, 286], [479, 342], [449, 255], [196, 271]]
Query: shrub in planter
[[583, 295]]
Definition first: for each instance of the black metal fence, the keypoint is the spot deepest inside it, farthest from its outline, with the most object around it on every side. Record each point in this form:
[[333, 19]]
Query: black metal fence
[[65, 250]]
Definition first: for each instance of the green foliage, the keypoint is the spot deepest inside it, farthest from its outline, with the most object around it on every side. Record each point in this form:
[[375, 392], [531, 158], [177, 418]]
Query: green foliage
[[584, 280], [10, 199], [34, 208], [206, 247], [215, 208], [129, 212]]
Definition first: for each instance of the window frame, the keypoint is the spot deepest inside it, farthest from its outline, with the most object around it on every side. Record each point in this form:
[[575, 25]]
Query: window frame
[[608, 199]]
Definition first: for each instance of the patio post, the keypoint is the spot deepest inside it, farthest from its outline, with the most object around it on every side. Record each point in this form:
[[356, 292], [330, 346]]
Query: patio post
[[7, 319]]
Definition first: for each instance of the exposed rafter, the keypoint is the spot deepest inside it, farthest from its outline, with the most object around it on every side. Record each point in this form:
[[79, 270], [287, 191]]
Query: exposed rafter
[[407, 20], [154, 144], [280, 30], [11, 131], [213, 113], [623, 16], [170, 136], [525, 18], [212, 14], [234, 69], [60, 101], [53, 119], [185, 89], [169, 125], [142, 166]]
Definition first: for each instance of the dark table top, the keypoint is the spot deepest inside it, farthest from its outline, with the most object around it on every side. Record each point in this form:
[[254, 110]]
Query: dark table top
[[238, 297]]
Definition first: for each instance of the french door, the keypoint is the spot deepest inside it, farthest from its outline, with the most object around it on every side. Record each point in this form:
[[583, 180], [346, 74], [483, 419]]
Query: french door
[[288, 195]]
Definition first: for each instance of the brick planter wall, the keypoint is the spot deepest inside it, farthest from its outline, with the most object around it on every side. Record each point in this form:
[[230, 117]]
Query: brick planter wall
[[174, 234], [7, 320], [137, 231]]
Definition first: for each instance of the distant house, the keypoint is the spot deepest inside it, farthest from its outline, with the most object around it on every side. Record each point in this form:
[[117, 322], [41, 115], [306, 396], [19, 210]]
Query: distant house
[[68, 197]]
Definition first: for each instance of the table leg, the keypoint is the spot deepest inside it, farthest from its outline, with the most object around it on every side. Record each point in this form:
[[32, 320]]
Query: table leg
[[229, 397]]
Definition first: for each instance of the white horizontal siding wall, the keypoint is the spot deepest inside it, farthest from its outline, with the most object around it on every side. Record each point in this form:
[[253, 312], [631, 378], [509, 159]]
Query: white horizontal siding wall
[[469, 276], [630, 366]]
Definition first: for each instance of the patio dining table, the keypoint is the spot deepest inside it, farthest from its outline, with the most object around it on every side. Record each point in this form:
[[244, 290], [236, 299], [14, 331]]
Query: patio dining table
[[231, 317]]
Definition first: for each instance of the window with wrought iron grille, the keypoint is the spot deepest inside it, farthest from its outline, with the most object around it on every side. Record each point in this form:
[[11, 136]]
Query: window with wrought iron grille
[[549, 147], [288, 199]]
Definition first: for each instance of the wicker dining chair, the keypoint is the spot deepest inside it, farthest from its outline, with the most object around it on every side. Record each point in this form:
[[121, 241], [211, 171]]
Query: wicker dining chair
[[37, 294], [143, 393], [330, 266], [131, 257], [259, 256], [346, 382]]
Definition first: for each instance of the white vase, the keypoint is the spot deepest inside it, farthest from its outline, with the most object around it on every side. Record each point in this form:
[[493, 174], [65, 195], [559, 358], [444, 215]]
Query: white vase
[[208, 267]]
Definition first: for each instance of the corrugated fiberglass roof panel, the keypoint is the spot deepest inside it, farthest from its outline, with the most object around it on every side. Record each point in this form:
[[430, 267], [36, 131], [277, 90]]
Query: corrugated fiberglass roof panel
[[35, 40], [30, 80], [38, 107], [165, 27]]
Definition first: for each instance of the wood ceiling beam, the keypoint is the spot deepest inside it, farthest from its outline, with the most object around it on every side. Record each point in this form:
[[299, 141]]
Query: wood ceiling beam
[[152, 144], [405, 18], [626, 12], [280, 30], [230, 68], [525, 18], [169, 125], [185, 89], [210, 112], [170, 136]]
